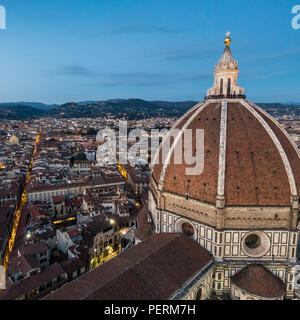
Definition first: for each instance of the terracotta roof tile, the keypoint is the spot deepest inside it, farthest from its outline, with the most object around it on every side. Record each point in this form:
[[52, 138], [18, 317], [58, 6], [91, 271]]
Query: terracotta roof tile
[[154, 269], [253, 164]]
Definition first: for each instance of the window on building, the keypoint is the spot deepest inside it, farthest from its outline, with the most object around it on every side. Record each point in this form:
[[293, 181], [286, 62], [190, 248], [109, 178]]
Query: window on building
[[229, 86], [199, 294], [221, 87], [252, 241], [293, 252], [42, 288]]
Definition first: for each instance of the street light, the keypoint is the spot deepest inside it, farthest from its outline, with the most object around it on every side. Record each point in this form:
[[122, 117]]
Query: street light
[[28, 235]]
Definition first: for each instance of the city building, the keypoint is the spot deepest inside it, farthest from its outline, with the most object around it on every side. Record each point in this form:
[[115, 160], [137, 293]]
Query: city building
[[6, 223], [102, 237], [13, 139]]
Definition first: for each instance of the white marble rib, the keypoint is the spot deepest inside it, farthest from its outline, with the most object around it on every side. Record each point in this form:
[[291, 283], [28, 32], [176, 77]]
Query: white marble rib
[[178, 137], [222, 149]]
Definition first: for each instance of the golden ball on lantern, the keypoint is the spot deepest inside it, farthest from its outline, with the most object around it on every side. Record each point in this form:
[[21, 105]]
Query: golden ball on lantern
[[227, 41]]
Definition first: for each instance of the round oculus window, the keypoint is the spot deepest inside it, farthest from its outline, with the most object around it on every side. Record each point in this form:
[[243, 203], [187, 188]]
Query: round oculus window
[[256, 244], [252, 241]]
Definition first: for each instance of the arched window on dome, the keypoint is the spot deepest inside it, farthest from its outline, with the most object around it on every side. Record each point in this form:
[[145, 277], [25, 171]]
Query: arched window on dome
[[229, 87], [221, 87]]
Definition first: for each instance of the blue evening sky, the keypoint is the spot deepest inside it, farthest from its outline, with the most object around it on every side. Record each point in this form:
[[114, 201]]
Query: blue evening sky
[[55, 51]]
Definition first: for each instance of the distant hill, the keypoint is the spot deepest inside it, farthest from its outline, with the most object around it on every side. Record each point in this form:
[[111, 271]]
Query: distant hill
[[278, 109], [123, 108], [36, 105], [131, 109], [20, 112], [292, 103], [139, 109]]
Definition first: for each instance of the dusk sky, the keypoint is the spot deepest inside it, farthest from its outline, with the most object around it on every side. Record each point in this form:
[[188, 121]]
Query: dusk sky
[[55, 51]]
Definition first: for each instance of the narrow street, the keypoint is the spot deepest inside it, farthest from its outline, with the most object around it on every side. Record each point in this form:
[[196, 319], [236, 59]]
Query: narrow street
[[20, 206], [98, 261]]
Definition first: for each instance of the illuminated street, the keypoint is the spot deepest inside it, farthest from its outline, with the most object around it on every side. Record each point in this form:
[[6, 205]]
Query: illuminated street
[[98, 261], [20, 206]]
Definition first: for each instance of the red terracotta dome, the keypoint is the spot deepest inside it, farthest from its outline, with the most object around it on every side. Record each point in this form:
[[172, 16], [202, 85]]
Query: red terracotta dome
[[248, 158]]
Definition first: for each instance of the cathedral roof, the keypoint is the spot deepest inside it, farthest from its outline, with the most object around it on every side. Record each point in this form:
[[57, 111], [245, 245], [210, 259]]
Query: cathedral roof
[[153, 270], [259, 281]]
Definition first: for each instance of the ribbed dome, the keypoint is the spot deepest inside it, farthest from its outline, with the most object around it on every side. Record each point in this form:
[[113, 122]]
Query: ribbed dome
[[259, 281], [248, 158], [251, 166]]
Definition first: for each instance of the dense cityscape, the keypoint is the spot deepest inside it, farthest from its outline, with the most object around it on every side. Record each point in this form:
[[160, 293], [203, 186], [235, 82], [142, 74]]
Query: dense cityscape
[[142, 166], [62, 214]]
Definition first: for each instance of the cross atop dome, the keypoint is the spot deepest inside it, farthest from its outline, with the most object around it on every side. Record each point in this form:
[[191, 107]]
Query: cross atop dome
[[228, 39]]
